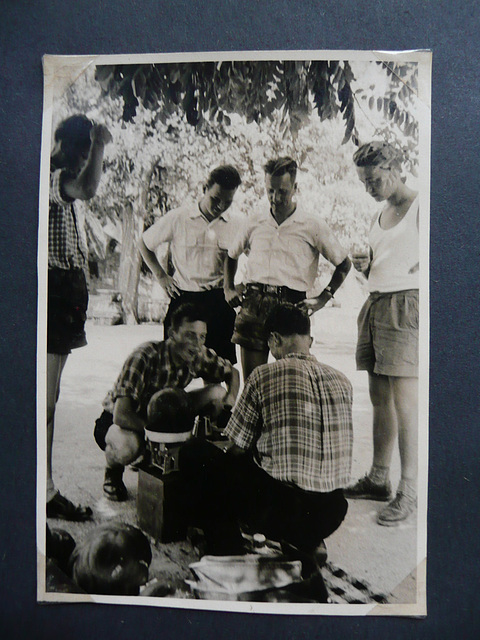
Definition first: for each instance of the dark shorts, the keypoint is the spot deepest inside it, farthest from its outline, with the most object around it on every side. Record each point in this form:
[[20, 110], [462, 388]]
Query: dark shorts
[[388, 334], [220, 319], [102, 425], [67, 310], [249, 331]]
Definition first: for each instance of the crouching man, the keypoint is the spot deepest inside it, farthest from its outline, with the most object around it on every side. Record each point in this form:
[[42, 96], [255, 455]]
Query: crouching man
[[172, 363], [291, 458]]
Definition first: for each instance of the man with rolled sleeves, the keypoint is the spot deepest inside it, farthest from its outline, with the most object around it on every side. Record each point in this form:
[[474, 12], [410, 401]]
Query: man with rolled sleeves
[[283, 247], [198, 235]]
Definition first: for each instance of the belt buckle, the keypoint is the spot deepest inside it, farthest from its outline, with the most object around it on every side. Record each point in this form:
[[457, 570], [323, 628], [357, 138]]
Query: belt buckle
[[270, 288]]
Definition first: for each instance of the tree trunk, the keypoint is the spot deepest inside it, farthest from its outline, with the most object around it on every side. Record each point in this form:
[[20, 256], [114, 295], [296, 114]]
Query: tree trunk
[[130, 258], [129, 269]]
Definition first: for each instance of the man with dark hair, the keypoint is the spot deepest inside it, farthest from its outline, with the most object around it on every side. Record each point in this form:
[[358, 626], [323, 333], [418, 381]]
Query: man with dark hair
[[198, 235], [292, 452], [153, 366], [75, 172], [283, 247]]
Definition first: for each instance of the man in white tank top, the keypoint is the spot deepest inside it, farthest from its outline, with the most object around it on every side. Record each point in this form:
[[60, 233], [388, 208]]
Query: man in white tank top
[[388, 331]]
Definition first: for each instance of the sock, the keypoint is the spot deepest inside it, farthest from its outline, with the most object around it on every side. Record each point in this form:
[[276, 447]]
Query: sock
[[408, 487], [378, 474]]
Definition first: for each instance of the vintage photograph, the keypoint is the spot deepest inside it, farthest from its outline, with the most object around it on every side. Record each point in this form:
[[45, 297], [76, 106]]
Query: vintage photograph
[[233, 331]]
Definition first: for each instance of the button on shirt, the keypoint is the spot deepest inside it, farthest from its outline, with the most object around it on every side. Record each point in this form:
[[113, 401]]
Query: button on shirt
[[296, 416], [281, 255], [198, 247], [151, 368], [66, 248]]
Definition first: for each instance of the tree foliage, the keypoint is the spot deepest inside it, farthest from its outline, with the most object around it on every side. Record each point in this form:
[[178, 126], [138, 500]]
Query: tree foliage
[[255, 90], [173, 123]]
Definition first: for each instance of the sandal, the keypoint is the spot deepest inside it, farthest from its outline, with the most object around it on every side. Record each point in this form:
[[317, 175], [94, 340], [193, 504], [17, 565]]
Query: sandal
[[113, 486], [62, 508]]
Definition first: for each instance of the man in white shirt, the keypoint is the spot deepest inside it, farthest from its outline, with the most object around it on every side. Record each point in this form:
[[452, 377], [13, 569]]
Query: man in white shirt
[[198, 235], [283, 247]]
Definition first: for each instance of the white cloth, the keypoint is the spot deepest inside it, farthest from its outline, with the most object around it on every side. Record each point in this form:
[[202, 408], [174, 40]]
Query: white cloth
[[394, 265], [281, 255], [198, 247]]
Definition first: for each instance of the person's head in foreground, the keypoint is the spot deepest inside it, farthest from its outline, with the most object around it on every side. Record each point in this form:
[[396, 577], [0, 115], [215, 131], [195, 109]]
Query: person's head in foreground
[[379, 167], [289, 331], [113, 559]]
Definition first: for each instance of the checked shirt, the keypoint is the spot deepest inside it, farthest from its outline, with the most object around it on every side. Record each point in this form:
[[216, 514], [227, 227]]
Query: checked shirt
[[296, 416], [66, 249], [150, 368]]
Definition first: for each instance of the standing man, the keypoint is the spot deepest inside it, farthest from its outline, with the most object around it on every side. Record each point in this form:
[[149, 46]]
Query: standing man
[[283, 247], [75, 172], [292, 452], [388, 323], [198, 236], [153, 366]]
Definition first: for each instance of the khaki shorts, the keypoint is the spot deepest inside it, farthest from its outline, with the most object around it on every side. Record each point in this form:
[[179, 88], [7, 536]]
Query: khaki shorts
[[249, 331], [388, 334]]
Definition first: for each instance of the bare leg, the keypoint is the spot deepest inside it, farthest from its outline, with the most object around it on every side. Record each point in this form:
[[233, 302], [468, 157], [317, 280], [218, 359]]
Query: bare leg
[[251, 360], [57, 505], [384, 419], [55, 365], [405, 394]]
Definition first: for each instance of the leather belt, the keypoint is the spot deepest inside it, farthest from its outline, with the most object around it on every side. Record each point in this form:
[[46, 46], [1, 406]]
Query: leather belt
[[281, 291]]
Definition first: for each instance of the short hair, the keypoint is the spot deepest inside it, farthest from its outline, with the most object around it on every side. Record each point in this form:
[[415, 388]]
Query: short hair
[[226, 176], [287, 320], [378, 154], [112, 559], [189, 312], [280, 166], [73, 137]]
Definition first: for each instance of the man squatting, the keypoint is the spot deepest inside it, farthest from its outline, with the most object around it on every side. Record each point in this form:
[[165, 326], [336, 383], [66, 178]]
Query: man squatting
[[171, 363], [292, 452]]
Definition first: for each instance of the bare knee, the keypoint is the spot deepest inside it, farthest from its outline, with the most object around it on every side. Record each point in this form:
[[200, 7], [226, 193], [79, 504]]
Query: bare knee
[[123, 446], [379, 390], [206, 396]]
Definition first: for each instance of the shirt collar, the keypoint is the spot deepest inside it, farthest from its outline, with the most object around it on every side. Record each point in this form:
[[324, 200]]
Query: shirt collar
[[292, 218], [196, 213], [301, 356]]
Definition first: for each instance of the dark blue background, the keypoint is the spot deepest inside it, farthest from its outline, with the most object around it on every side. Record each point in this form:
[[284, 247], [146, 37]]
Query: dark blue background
[[30, 29]]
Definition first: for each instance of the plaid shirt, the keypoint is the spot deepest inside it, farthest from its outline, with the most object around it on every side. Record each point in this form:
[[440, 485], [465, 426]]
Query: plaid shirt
[[296, 416], [151, 368], [66, 249]]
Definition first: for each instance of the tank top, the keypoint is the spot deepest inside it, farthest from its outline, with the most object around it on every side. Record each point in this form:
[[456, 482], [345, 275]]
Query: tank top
[[394, 265]]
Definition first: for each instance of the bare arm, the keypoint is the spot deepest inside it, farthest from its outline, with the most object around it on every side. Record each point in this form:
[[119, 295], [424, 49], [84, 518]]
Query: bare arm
[[125, 416], [310, 305], [156, 268], [332, 251], [233, 386], [84, 186], [229, 271]]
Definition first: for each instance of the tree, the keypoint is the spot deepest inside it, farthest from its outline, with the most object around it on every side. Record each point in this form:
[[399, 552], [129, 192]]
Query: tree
[[252, 89], [170, 135]]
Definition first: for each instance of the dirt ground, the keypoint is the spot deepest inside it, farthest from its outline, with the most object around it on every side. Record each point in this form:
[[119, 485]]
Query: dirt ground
[[383, 558]]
